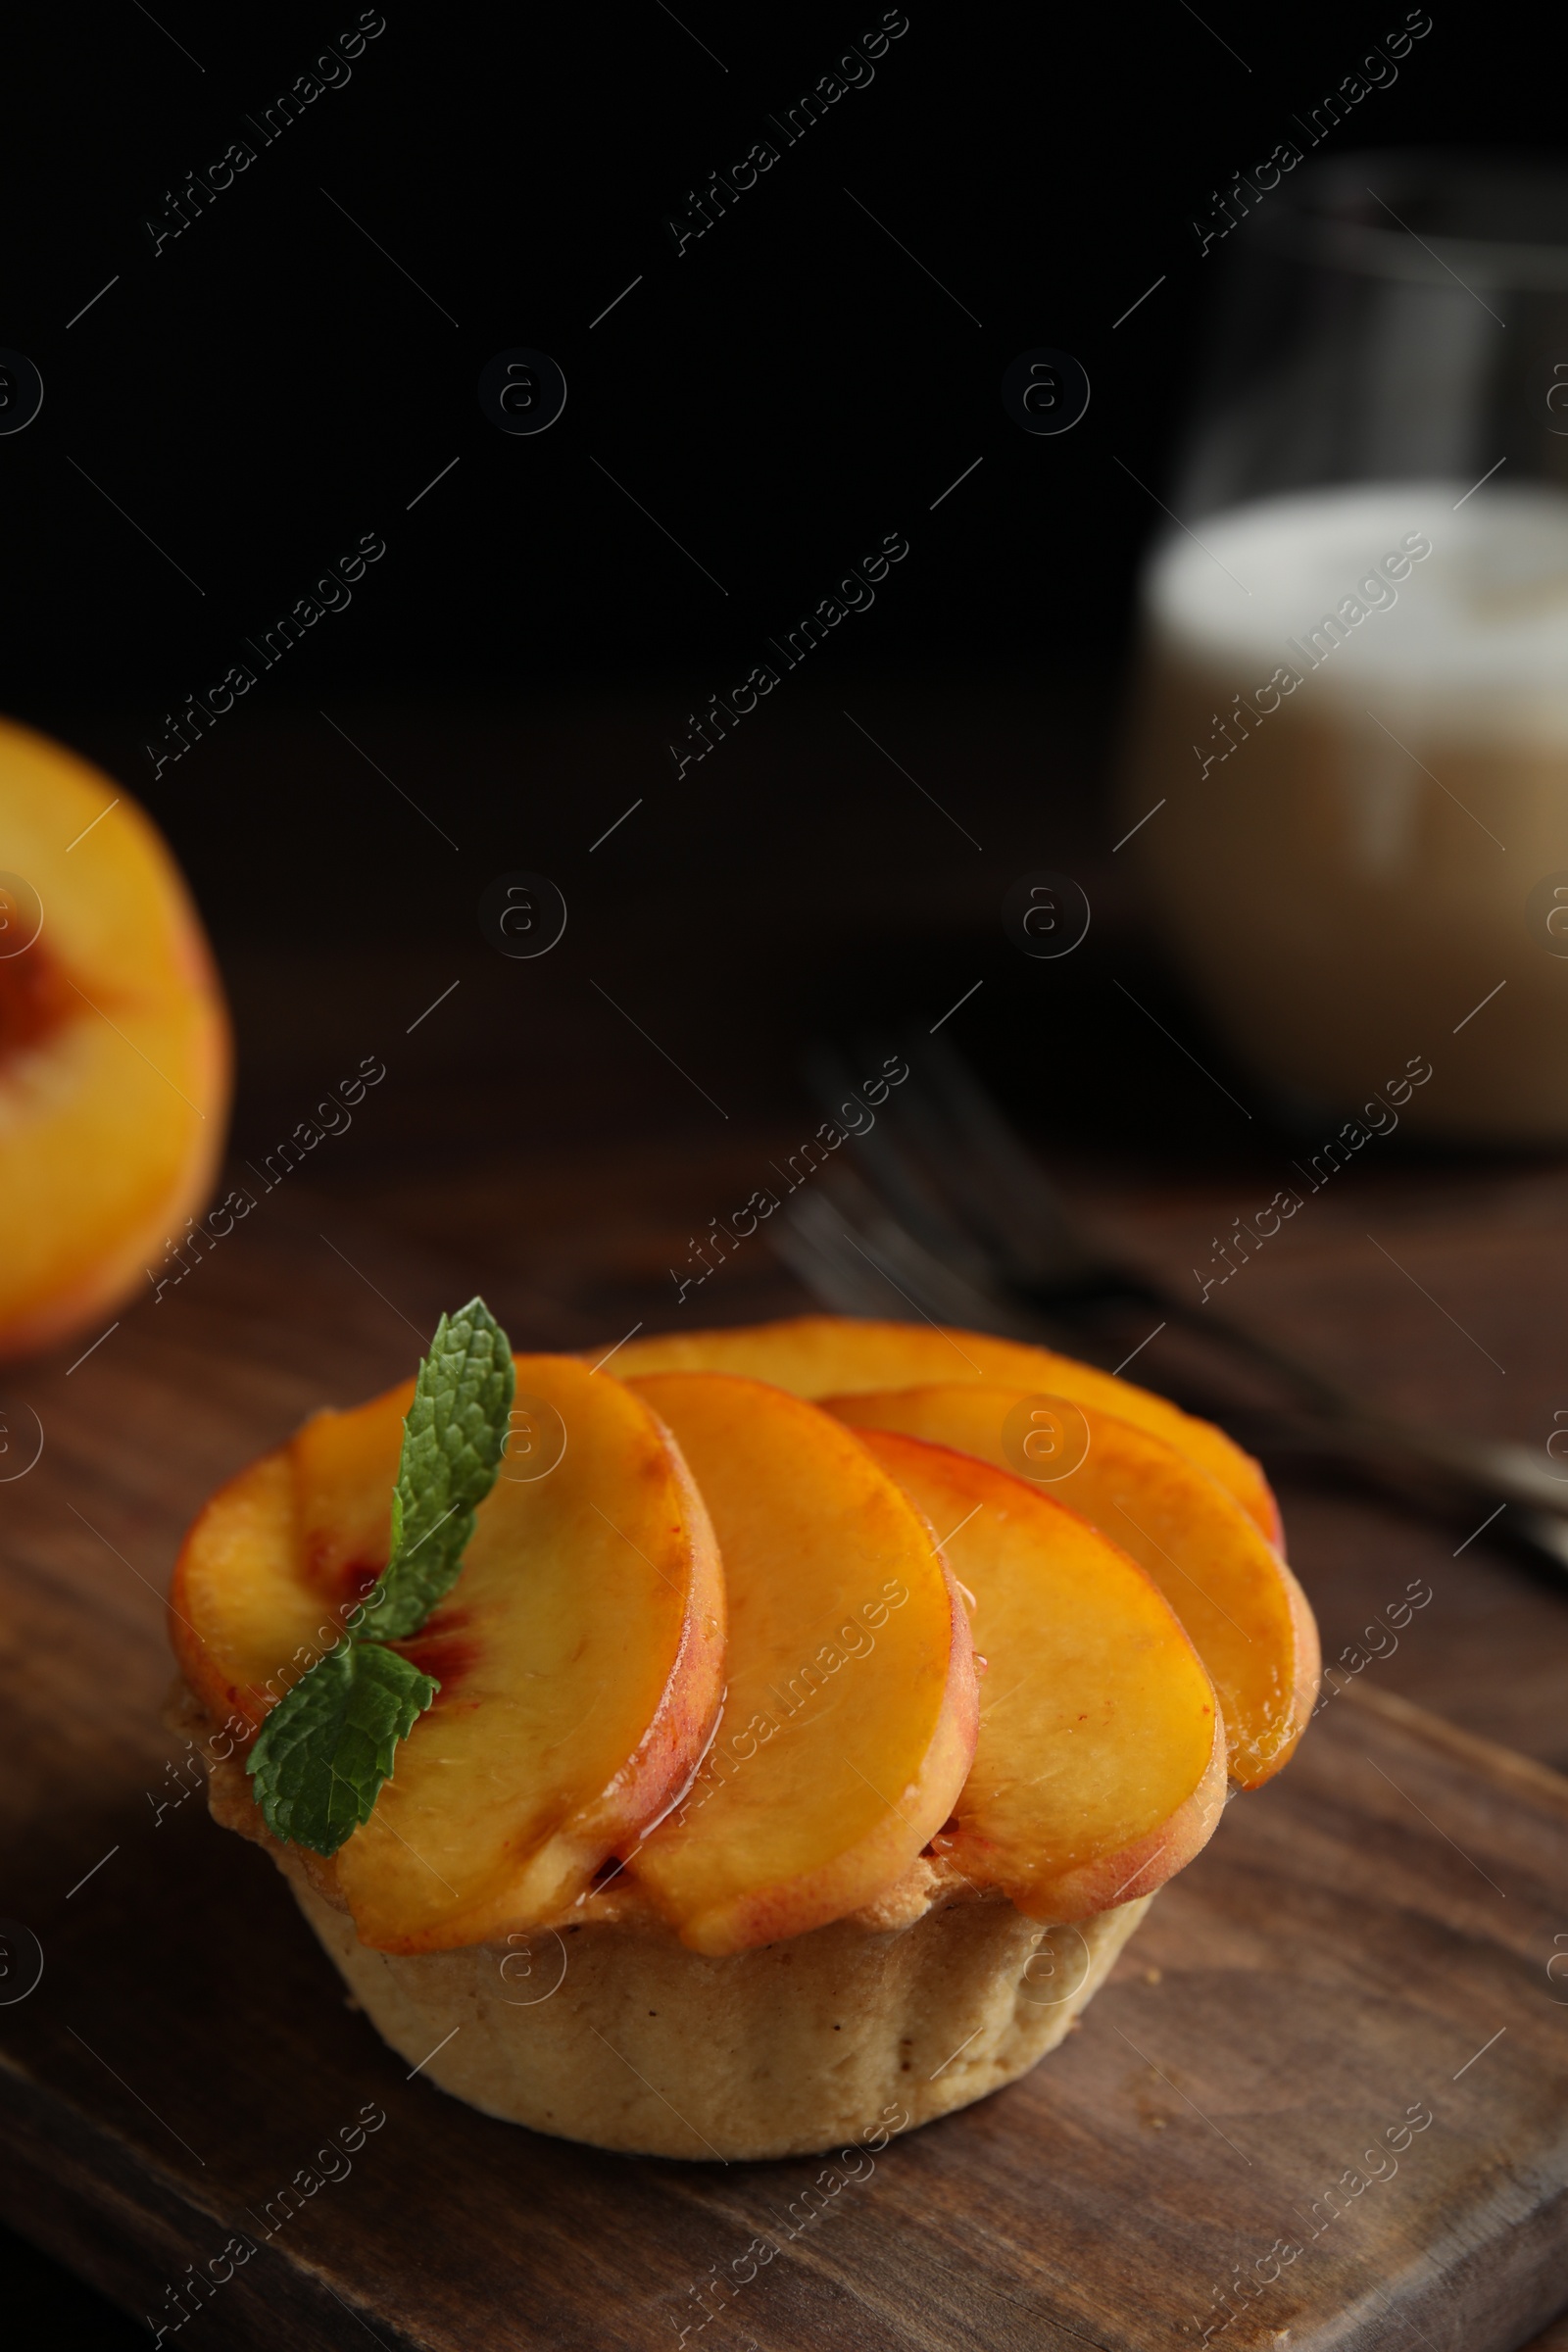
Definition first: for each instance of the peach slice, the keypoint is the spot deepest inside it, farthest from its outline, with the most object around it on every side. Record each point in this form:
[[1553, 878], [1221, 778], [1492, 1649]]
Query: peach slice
[[850, 1717], [826, 1356], [344, 1468], [1247, 1616], [580, 1653], [1099, 1769], [113, 1046]]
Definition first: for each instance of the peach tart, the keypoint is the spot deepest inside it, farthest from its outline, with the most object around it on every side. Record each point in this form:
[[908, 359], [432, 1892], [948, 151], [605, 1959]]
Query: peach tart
[[712, 1756]]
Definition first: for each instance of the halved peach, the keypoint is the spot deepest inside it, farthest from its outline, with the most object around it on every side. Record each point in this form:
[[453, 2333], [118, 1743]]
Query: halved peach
[[1099, 1766], [1247, 1616], [827, 1355], [580, 1653], [113, 1046], [850, 1716]]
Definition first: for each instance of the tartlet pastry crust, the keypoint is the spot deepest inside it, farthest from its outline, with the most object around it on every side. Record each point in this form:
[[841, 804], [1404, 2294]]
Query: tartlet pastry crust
[[606, 2028], [618, 2035]]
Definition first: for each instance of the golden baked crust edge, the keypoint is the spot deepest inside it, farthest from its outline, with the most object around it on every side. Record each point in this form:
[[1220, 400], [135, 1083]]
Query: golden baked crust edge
[[606, 2029]]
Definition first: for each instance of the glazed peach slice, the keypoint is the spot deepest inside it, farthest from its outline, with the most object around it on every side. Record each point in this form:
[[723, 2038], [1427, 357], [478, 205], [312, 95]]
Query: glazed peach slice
[[1099, 1768], [849, 1719], [1247, 1616], [580, 1653], [827, 1355], [113, 1046]]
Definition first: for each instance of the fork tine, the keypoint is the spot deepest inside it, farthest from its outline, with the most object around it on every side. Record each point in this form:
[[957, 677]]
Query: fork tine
[[896, 1175], [981, 1154], [813, 1249], [845, 1246]]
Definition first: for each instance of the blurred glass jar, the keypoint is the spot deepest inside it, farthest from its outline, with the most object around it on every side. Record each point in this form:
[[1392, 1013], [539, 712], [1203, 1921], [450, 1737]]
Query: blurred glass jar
[[1348, 763]]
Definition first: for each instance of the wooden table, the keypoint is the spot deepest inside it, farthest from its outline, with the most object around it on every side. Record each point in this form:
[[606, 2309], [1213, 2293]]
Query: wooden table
[[1361, 1929]]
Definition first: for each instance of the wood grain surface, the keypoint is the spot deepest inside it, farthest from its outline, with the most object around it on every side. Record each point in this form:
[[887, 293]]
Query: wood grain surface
[[1366, 1943]]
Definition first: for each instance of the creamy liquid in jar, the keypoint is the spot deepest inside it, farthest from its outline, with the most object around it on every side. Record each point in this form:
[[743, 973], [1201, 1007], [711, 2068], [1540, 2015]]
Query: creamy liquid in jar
[[1355, 710]]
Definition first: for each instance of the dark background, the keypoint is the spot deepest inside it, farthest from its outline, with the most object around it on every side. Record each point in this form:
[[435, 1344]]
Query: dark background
[[792, 387], [271, 386]]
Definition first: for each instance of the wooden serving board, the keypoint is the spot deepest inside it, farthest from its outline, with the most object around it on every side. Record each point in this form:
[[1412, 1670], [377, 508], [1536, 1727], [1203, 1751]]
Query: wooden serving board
[[1358, 1963]]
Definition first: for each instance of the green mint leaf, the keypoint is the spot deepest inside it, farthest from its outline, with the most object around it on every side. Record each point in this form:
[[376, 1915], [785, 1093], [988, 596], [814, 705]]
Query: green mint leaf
[[451, 1441], [319, 1761]]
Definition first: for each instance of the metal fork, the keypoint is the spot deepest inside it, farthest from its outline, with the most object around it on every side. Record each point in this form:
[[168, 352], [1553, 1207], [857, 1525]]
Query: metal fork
[[945, 1208]]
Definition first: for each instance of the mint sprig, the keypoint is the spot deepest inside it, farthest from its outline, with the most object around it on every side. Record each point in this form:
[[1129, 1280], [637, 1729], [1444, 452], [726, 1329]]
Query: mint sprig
[[451, 1441], [322, 1754], [319, 1761]]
